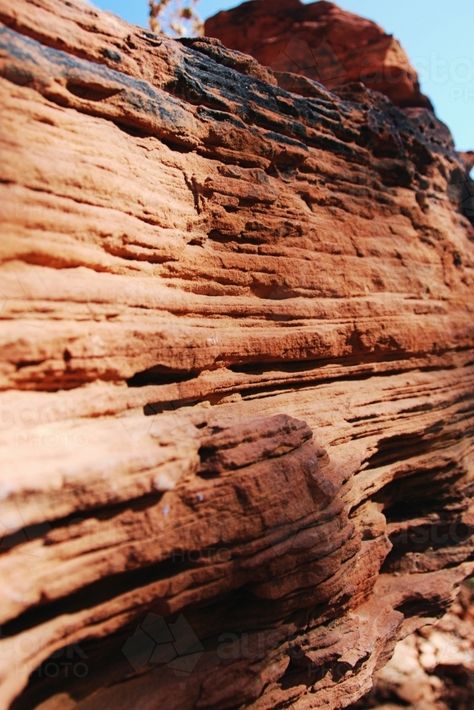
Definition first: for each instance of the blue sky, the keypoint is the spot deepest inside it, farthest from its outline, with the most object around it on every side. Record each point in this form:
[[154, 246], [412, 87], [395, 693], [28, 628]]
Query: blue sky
[[437, 35]]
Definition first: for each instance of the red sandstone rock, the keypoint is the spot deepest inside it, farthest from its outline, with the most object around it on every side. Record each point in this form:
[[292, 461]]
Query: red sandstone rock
[[322, 42], [432, 669], [236, 378]]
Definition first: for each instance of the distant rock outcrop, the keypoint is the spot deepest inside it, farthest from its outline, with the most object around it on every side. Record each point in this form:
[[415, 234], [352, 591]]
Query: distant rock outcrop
[[322, 42]]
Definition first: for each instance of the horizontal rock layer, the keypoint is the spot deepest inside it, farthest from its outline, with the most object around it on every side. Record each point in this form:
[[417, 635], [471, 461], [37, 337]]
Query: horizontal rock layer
[[236, 378]]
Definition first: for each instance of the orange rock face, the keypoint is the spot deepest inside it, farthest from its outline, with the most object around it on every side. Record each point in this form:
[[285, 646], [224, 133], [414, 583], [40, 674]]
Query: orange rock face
[[236, 379], [322, 42]]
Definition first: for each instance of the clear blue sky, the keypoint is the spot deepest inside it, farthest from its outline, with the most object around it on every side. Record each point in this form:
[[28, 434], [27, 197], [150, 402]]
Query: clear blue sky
[[437, 34]]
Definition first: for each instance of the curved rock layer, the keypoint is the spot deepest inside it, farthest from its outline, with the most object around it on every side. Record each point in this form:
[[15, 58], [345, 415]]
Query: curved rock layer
[[237, 374], [322, 42]]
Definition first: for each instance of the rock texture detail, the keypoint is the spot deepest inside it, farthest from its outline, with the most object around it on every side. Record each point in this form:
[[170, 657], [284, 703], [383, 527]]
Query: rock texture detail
[[432, 668], [322, 42], [237, 374]]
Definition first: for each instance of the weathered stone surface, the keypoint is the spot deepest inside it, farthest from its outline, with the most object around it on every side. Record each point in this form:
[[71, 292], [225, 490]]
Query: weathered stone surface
[[321, 41], [237, 374], [432, 669]]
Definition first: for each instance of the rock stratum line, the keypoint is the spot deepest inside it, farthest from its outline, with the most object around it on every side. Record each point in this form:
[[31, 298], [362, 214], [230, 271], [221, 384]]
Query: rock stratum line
[[237, 373]]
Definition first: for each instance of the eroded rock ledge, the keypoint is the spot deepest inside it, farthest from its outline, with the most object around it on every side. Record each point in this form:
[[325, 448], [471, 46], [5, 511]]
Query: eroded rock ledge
[[237, 374]]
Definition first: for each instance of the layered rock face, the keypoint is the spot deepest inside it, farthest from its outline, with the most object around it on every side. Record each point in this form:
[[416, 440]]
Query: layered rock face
[[237, 374], [432, 668], [322, 42]]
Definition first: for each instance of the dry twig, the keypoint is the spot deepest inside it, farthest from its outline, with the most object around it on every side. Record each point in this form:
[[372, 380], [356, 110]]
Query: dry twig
[[177, 18]]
